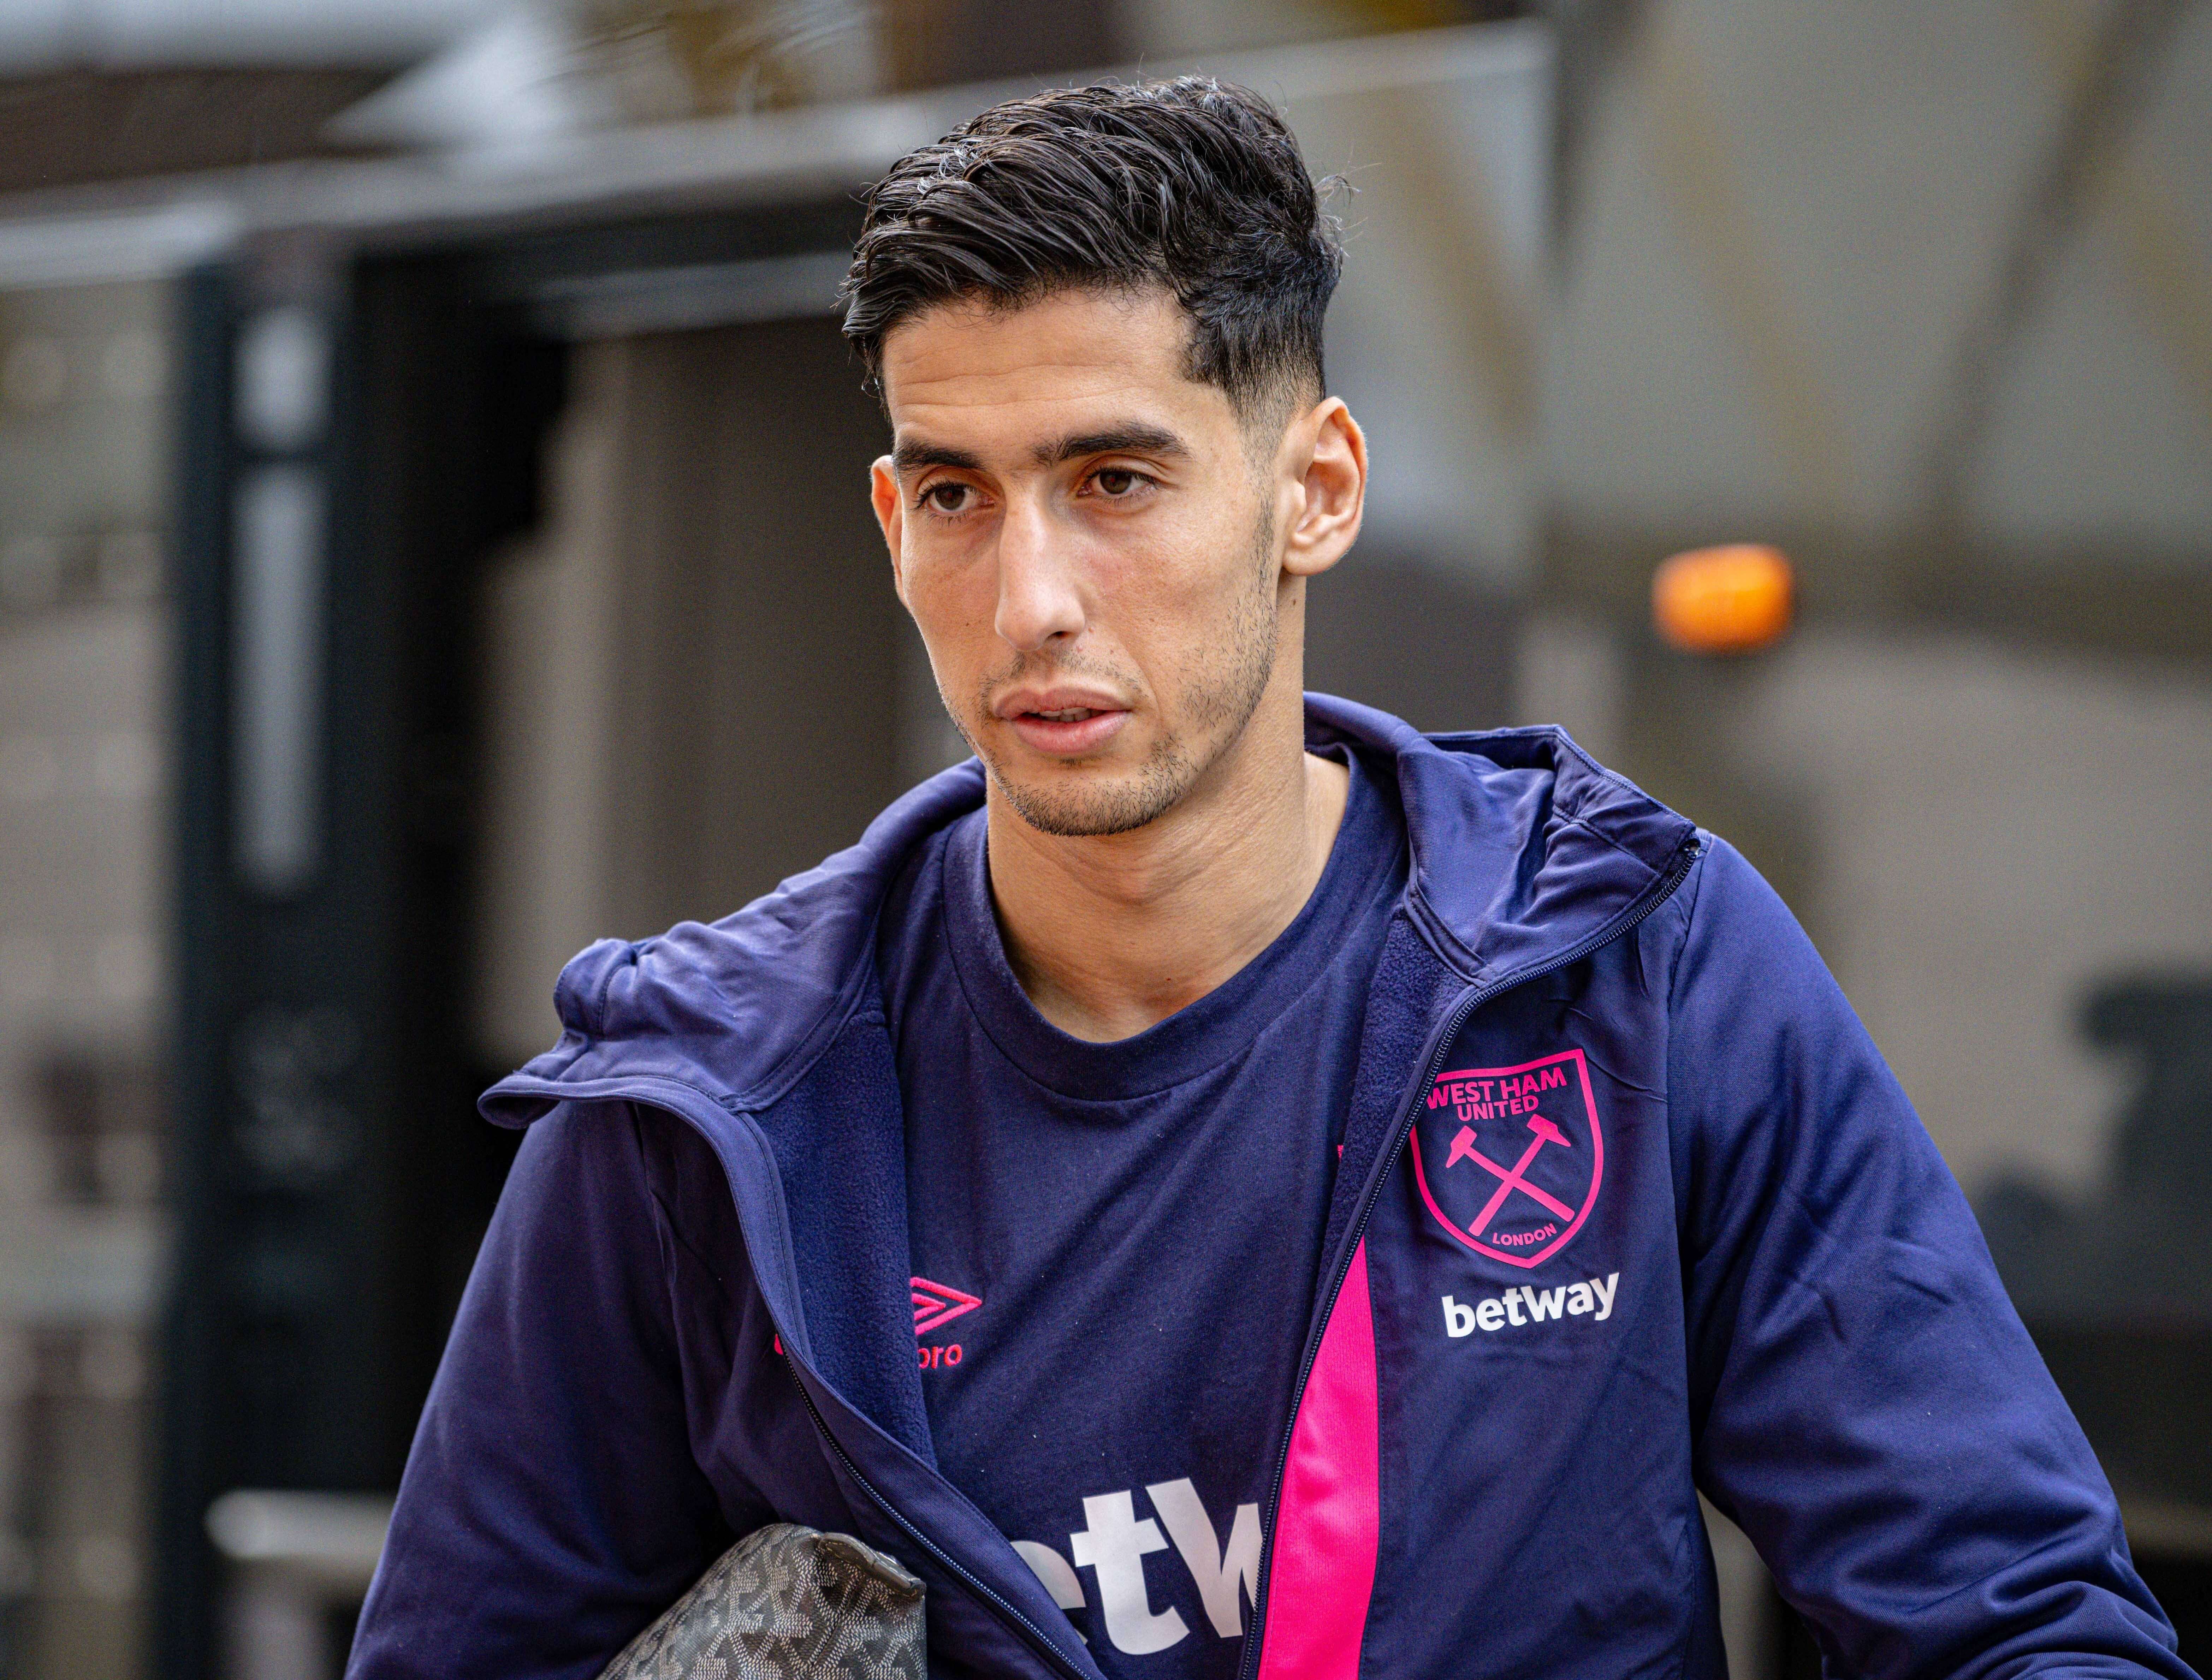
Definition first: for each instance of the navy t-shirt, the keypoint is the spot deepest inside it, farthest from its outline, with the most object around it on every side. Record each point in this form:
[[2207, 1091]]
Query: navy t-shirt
[[1084, 1215]]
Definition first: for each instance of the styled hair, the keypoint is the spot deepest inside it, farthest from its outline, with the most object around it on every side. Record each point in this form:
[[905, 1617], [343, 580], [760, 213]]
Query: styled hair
[[1193, 185]]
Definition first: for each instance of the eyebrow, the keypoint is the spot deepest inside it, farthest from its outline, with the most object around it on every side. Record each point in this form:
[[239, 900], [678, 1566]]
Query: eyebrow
[[1133, 438], [911, 457]]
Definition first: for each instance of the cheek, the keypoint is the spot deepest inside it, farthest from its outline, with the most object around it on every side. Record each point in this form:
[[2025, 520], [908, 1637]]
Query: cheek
[[1182, 588], [953, 607]]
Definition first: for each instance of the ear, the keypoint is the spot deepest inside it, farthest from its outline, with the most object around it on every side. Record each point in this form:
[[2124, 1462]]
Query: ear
[[890, 515], [1327, 453]]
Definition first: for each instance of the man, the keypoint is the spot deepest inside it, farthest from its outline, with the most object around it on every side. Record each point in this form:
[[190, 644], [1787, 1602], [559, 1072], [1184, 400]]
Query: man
[[1222, 1183]]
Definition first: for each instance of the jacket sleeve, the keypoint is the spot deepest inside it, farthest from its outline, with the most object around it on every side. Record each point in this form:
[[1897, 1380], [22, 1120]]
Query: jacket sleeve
[[550, 1507], [1867, 1405]]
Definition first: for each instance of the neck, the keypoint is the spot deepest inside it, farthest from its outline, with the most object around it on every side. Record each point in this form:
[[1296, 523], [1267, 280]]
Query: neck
[[1110, 933]]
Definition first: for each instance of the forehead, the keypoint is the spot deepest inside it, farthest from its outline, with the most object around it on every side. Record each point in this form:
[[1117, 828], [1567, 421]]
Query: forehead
[[974, 368]]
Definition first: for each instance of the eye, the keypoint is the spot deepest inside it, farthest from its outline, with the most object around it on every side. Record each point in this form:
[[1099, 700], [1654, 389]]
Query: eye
[[950, 496], [1116, 482]]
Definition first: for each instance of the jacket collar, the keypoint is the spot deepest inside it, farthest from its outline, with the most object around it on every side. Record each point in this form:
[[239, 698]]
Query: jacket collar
[[1522, 848]]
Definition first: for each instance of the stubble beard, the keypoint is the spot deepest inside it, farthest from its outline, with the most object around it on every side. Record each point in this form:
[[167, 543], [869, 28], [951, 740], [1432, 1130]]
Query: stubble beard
[[1218, 708]]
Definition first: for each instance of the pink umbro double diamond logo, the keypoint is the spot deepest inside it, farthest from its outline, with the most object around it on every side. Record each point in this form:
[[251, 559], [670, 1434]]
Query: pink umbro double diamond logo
[[937, 1304]]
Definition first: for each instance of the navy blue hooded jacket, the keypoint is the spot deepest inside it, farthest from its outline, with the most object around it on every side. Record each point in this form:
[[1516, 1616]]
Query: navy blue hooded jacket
[[692, 1315]]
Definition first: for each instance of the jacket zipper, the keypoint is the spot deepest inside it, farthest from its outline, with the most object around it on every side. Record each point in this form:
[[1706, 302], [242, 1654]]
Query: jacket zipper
[[1031, 1634], [1664, 889]]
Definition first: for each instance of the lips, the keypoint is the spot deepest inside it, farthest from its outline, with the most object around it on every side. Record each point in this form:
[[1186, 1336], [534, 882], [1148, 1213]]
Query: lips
[[1062, 725]]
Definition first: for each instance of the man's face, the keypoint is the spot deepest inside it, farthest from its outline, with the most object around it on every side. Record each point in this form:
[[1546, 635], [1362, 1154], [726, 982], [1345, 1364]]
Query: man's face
[[1091, 543]]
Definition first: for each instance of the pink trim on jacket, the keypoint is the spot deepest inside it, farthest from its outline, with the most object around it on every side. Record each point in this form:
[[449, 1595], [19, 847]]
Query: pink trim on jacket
[[1329, 1525]]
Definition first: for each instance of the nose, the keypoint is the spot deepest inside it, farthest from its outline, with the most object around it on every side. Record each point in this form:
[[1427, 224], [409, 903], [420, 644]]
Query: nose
[[1038, 600]]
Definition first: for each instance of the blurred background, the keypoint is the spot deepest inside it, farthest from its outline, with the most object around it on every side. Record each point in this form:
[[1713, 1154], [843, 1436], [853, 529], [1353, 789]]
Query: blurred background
[[431, 509]]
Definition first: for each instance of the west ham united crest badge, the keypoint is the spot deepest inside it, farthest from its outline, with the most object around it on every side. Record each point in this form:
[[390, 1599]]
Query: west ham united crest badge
[[1508, 1160]]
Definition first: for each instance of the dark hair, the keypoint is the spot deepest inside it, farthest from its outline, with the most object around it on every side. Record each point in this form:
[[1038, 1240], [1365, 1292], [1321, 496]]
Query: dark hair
[[1193, 184]]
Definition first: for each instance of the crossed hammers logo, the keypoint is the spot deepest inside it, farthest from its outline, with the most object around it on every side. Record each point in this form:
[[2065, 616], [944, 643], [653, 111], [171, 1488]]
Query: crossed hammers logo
[[1510, 1179]]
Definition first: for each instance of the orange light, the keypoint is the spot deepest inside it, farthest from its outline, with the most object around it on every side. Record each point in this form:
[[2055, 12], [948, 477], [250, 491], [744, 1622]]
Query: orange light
[[1732, 599]]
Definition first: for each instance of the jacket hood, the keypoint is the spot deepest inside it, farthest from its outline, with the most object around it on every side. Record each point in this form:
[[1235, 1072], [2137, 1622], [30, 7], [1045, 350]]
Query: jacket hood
[[1522, 848]]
